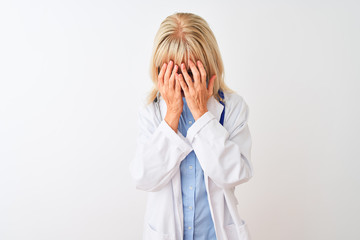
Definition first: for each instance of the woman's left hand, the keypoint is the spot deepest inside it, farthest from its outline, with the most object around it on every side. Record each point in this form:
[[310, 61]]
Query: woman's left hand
[[196, 93]]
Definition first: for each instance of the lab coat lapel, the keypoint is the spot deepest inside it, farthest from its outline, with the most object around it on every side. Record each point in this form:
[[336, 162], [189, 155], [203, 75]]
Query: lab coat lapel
[[215, 107]]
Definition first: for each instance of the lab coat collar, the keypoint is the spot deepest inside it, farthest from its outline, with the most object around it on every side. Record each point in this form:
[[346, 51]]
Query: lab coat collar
[[213, 106]]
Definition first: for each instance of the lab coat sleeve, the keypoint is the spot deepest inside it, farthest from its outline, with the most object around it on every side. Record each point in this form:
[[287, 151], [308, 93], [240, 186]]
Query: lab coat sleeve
[[225, 155], [159, 152]]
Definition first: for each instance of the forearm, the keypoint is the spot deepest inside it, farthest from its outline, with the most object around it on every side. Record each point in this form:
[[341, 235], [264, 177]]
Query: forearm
[[225, 160], [172, 119], [158, 157]]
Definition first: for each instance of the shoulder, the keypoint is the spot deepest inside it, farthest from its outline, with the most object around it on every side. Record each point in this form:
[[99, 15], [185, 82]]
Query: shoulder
[[233, 97], [145, 109], [236, 109], [148, 114], [234, 101]]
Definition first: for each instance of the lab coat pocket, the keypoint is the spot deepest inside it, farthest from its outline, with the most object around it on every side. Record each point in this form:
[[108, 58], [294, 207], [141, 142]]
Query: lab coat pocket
[[152, 234], [237, 232]]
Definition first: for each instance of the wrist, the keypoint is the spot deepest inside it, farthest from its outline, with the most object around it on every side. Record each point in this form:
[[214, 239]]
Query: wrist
[[172, 120], [199, 114]]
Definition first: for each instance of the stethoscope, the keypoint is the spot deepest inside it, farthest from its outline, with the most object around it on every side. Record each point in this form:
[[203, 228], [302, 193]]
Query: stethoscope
[[221, 94], [157, 103]]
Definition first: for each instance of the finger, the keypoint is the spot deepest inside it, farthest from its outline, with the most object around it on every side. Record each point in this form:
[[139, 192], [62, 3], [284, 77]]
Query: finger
[[177, 85], [172, 77], [183, 84], [161, 75], [195, 73], [167, 73], [202, 72], [211, 85], [186, 75]]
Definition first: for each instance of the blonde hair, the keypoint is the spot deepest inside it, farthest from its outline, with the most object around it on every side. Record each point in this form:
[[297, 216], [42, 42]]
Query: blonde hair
[[184, 36]]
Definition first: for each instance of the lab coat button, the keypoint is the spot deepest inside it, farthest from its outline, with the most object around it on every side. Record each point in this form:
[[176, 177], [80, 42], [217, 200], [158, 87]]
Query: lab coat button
[[189, 228], [190, 187], [190, 207], [190, 167]]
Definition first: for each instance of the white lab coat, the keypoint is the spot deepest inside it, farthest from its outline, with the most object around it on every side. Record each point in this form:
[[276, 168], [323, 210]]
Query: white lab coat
[[224, 152]]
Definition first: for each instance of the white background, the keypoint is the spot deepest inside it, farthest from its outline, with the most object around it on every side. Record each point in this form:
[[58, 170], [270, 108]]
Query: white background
[[73, 73]]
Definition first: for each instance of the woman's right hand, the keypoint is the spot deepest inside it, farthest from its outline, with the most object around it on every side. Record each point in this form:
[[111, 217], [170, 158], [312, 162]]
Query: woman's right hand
[[170, 90]]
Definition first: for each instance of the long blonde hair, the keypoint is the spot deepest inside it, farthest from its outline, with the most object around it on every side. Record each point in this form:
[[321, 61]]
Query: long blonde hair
[[182, 36]]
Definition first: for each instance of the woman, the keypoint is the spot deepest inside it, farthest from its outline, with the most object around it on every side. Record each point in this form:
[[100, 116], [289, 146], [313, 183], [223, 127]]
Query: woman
[[194, 143]]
